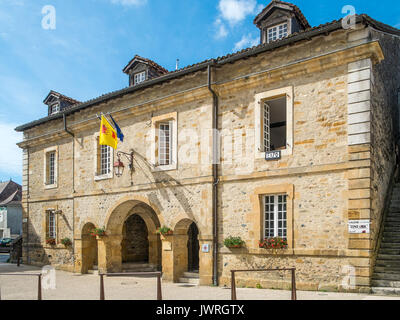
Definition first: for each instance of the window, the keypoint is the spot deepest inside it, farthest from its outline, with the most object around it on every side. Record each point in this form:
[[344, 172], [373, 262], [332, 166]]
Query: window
[[164, 142], [50, 168], [274, 124], [55, 108], [273, 116], [139, 77], [277, 32], [51, 231], [105, 160], [275, 216], [164, 145]]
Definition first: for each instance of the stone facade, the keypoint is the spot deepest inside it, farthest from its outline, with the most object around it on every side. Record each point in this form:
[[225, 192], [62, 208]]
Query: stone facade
[[336, 169]]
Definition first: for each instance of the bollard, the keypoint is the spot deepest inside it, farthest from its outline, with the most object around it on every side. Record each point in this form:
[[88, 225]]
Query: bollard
[[233, 286], [294, 293], [18, 261], [39, 287], [102, 296], [159, 293]]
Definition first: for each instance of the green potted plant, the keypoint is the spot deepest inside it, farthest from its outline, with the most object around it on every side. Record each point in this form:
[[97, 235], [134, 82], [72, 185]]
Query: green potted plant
[[51, 241], [66, 242], [165, 231], [275, 243], [98, 232], [234, 242]]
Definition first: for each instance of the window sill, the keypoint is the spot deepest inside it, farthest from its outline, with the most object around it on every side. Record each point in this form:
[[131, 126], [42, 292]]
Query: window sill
[[170, 167], [50, 186], [103, 177]]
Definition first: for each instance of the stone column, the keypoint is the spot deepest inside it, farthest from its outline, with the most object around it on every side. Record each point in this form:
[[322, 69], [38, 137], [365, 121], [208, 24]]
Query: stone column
[[180, 252], [78, 267], [206, 261], [167, 258], [109, 253], [154, 249]]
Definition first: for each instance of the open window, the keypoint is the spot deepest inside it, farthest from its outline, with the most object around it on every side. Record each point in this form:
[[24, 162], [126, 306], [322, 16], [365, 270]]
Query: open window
[[274, 122]]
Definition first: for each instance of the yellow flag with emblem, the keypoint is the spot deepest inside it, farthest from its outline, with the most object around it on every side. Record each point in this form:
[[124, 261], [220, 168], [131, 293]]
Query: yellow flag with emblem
[[108, 135]]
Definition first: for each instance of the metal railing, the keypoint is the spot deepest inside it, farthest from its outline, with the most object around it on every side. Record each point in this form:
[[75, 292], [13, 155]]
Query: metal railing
[[157, 275], [233, 280], [39, 275]]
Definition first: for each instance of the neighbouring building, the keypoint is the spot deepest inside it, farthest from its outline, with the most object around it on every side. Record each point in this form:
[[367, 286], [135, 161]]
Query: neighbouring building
[[10, 209], [293, 138]]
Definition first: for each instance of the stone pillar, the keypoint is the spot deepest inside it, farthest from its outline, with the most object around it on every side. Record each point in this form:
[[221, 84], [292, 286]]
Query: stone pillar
[[180, 253], [78, 267], [206, 261], [154, 250], [109, 253], [167, 258]]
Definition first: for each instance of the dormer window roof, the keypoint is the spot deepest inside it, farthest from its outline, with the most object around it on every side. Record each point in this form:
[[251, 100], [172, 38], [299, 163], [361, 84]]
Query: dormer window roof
[[57, 102], [141, 69], [280, 19]]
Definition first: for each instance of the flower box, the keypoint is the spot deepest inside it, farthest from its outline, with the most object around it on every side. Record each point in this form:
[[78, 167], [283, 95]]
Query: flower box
[[165, 231], [98, 232], [51, 241], [275, 243], [234, 243], [66, 242]]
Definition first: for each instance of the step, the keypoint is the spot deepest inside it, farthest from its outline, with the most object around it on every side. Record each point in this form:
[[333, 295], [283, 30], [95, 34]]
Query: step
[[94, 272], [390, 245], [385, 283], [391, 239], [194, 275], [391, 219], [386, 276], [138, 267], [390, 234], [391, 228], [385, 291], [194, 281]]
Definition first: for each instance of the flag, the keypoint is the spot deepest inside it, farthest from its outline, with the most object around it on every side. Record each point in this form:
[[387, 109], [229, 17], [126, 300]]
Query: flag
[[108, 136], [120, 135]]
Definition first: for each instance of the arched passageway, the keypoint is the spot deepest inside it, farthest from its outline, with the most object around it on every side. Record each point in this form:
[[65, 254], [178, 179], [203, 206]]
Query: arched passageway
[[89, 249]]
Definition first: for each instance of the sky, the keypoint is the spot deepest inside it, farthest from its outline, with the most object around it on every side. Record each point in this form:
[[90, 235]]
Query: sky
[[83, 53]]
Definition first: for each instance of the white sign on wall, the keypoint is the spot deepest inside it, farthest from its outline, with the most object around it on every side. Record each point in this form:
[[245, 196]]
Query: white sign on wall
[[359, 226], [205, 248]]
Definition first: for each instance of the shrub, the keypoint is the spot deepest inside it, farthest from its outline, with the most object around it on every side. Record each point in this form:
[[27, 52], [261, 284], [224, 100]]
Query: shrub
[[165, 231], [98, 232], [66, 242]]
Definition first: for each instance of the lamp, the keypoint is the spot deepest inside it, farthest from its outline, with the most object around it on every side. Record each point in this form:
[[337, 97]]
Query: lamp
[[119, 165]]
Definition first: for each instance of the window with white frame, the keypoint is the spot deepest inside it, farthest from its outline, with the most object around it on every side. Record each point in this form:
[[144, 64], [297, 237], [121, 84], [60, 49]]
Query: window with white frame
[[105, 160], [51, 224], [165, 143], [51, 168], [55, 108], [274, 124], [277, 32], [275, 216], [139, 77]]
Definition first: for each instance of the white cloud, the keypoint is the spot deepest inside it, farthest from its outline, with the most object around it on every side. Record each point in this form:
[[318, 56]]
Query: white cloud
[[130, 2], [235, 11], [11, 154], [222, 32], [247, 41]]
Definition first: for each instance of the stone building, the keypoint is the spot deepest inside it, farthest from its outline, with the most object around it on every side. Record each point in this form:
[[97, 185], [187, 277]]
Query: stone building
[[10, 209], [293, 138]]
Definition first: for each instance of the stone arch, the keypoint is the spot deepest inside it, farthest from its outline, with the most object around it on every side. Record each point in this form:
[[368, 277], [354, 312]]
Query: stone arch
[[112, 245], [87, 249]]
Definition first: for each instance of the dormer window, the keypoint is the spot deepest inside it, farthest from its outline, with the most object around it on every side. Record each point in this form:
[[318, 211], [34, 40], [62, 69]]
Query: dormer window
[[55, 108], [139, 77], [277, 32]]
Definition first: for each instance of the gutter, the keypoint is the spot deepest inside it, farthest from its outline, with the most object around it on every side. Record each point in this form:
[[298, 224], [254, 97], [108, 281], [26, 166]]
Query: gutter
[[215, 146]]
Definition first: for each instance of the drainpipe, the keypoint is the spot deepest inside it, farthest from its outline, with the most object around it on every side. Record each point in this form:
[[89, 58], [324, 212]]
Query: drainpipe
[[215, 176], [73, 183]]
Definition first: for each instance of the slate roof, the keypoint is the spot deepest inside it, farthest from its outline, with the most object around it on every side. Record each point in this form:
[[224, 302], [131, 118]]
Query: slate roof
[[296, 10], [10, 193], [61, 97], [151, 63], [230, 58]]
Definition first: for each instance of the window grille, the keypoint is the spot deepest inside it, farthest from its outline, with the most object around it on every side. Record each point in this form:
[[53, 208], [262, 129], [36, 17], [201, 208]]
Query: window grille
[[275, 216], [165, 139]]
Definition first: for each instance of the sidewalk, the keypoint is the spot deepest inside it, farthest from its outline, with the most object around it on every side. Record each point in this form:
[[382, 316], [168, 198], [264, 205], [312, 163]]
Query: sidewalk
[[86, 287]]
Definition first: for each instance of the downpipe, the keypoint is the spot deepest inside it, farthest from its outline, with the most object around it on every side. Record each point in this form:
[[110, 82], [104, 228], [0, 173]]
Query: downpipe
[[215, 176]]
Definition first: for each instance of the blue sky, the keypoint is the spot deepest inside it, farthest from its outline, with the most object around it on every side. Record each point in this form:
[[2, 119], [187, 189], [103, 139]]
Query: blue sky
[[94, 39]]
